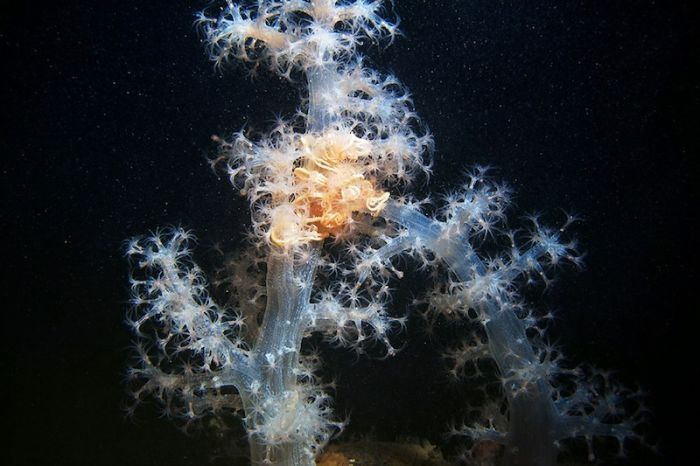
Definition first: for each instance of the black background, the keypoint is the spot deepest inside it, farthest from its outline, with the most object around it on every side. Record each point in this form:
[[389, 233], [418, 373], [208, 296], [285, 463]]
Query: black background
[[108, 108]]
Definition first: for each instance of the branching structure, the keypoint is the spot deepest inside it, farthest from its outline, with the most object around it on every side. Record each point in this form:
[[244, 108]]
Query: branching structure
[[326, 224]]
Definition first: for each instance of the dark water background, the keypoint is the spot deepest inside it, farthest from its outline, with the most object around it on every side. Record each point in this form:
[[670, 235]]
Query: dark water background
[[108, 108]]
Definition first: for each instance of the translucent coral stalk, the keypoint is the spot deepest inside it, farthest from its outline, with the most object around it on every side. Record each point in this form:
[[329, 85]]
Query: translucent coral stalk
[[540, 416], [319, 176]]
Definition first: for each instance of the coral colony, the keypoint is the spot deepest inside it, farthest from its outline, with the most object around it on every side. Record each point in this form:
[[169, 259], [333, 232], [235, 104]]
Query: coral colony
[[329, 219]]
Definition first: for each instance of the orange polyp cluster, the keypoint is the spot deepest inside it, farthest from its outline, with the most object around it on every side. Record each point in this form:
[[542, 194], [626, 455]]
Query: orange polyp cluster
[[330, 185]]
